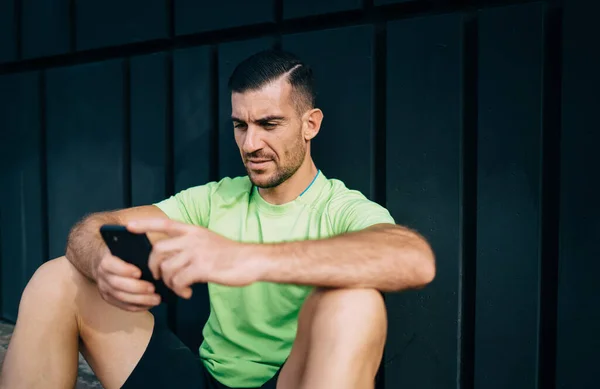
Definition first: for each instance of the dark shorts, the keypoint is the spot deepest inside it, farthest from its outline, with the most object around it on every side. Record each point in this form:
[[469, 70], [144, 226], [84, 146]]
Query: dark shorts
[[168, 363]]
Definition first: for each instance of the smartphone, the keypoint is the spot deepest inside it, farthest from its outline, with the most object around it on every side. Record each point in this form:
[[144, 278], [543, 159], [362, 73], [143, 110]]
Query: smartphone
[[135, 249]]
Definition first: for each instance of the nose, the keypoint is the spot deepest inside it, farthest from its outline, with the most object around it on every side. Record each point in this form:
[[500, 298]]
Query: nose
[[252, 140]]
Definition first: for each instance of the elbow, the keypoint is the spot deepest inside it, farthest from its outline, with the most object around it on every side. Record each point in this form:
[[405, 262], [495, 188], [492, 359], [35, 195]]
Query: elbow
[[427, 273], [425, 268], [418, 267], [416, 273], [91, 221]]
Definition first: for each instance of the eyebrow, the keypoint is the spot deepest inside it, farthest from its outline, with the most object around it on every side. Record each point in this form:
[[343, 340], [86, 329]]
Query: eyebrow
[[265, 119]]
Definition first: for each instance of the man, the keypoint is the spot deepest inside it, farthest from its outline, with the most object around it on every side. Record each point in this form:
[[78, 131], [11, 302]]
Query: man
[[294, 261]]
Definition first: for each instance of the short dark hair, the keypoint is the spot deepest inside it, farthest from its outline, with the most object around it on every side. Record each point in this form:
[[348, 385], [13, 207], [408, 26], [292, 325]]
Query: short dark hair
[[268, 65]]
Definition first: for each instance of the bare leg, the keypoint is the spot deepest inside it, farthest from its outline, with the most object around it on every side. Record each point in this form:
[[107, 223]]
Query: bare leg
[[60, 311], [340, 341]]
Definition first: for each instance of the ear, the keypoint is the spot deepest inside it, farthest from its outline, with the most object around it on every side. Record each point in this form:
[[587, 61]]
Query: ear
[[311, 123]]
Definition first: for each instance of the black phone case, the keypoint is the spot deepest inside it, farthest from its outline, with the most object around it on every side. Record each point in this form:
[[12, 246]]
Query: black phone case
[[135, 249]]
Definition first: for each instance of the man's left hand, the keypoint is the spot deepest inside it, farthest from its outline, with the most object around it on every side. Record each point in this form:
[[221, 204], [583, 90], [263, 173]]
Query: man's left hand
[[193, 254]]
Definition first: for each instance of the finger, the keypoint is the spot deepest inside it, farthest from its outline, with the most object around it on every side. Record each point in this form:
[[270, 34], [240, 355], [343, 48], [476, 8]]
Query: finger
[[149, 300], [172, 244], [172, 266], [184, 279], [155, 260], [129, 285], [162, 251], [185, 293], [104, 290], [115, 265], [126, 307], [164, 226]]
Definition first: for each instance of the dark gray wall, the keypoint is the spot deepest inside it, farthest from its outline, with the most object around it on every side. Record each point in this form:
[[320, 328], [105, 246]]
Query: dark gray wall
[[475, 122]]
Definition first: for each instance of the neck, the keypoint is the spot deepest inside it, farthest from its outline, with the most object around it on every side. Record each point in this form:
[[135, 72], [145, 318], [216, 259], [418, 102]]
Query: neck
[[293, 186]]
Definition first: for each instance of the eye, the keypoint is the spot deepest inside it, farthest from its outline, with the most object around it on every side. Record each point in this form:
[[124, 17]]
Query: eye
[[269, 126], [239, 126]]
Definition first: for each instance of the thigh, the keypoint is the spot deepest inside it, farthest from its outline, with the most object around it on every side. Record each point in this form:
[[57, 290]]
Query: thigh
[[112, 340], [168, 363], [293, 369]]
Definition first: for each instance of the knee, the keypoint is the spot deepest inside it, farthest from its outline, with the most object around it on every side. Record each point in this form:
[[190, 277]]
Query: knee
[[52, 275], [51, 283], [350, 312], [364, 303]]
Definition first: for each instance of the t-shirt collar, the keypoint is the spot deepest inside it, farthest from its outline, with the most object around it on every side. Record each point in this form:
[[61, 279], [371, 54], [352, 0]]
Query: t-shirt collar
[[307, 196]]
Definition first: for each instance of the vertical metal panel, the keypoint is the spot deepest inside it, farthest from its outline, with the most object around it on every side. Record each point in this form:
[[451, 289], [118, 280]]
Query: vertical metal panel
[[508, 189], [342, 60], [578, 344], [2, 293], [192, 120], [8, 40], [424, 111], [230, 54], [45, 27], [22, 241], [115, 22], [84, 145], [299, 8], [192, 126], [196, 16], [149, 136], [148, 128]]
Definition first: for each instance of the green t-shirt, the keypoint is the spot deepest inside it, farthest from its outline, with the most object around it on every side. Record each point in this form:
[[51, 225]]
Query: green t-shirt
[[250, 330]]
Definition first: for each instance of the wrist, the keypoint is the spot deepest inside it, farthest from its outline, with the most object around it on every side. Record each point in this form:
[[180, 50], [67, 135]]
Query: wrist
[[261, 260]]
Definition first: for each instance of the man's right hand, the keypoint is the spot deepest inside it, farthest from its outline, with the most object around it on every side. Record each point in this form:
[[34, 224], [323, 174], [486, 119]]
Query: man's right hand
[[119, 284]]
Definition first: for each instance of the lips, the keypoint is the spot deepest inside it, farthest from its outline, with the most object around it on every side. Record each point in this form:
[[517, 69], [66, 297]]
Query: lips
[[257, 163]]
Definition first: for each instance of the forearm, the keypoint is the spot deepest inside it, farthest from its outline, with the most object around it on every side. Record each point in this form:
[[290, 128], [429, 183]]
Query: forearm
[[85, 246], [387, 258]]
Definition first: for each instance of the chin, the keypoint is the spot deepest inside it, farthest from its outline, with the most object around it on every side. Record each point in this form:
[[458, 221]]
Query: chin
[[258, 177], [262, 182], [263, 179]]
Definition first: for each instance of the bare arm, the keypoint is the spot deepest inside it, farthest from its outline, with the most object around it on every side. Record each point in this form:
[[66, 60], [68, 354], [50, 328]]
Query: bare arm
[[385, 257], [85, 247]]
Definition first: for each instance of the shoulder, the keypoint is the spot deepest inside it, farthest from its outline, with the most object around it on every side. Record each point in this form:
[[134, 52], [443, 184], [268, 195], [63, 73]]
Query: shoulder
[[350, 210], [230, 188], [340, 196], [224, 188], [194, 204]]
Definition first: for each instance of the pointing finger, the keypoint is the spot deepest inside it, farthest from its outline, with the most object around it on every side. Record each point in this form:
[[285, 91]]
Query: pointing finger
[[171, 244], [165, 226]]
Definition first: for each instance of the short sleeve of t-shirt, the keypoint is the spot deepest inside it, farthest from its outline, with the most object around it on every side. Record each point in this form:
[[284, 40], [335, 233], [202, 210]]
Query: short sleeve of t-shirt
[[190, 206], [350, 211]]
